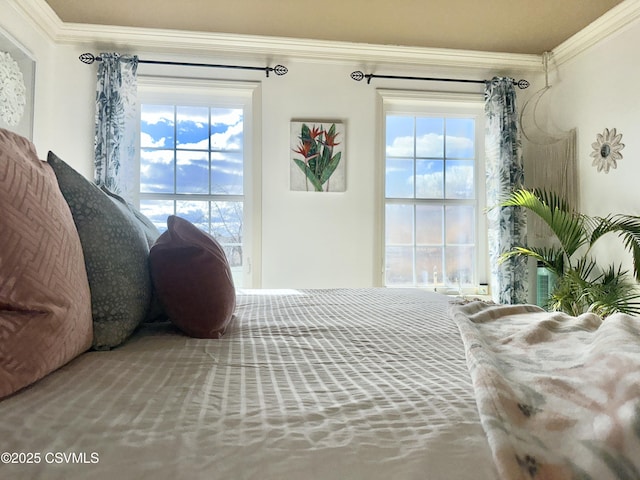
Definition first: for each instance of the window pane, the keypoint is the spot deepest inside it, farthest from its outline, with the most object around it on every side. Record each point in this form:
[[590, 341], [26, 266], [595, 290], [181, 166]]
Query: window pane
[[460, 261], [460, 225], [156, 126], [156, 171], [399, 266], [226, 227], [400, 136], [399, 178], [460, 138], [430, 164], [191, 155], [429, 225], [460, 179], [193, 127], [157, 211], [399, 225], [429, 137], [197, 212], [227, 129], [192, 175], [429, 265], [227, 173], [429, 179]]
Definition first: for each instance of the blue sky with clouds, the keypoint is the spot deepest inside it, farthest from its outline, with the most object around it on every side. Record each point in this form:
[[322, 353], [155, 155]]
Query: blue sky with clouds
[[177, 146], [175, 158], [429, 158]]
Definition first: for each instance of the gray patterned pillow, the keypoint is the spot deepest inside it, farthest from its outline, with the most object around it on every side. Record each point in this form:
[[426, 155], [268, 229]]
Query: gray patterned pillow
[[151, 232], [116, 255], [149, 229]]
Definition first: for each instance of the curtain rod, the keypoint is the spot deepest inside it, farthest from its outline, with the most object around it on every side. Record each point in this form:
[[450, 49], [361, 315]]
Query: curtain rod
[[358, 76], [89, 58]]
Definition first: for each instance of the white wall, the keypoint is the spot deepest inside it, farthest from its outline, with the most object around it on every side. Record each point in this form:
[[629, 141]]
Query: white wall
[[311, 240], [595, 90], [42, 49], [318, 239]]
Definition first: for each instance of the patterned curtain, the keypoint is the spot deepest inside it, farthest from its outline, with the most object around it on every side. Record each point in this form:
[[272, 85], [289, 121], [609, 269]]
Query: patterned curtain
[[505, 173], [115, 124]]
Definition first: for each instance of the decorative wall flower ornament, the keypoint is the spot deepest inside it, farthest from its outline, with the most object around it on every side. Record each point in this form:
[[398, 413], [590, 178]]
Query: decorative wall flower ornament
[[606, 150], [12, 90]]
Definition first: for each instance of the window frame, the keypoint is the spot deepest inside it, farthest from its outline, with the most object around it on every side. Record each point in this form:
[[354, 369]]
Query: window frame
[[181, 91], [448, 105]]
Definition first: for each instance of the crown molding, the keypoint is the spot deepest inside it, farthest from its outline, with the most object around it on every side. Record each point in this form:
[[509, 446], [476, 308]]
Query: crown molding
[[40, 15], [128, 39], [608, 24], [186, 42], [177, 41]]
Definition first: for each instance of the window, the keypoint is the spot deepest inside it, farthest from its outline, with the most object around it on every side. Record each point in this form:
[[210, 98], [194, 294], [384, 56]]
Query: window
[[195, 161], [433, 224]]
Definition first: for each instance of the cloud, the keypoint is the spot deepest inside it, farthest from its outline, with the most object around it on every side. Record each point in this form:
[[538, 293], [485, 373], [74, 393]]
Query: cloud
[[199, 159], [428, 185], [429, 145], [226, 116], [230, 139], [460, 183], [147, 140], [157, 166], [154, 114], [460, 147]]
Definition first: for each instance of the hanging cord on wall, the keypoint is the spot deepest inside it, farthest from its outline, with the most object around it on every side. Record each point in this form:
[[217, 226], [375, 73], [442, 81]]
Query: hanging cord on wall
[[550, 156], [279, 70], [358, 76], [530, 111]]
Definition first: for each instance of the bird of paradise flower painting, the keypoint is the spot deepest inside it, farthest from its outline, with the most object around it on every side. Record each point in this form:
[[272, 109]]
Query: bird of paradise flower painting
[[318, 164]]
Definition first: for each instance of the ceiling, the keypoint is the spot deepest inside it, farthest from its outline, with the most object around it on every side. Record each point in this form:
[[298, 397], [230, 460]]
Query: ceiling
[[511, 26]]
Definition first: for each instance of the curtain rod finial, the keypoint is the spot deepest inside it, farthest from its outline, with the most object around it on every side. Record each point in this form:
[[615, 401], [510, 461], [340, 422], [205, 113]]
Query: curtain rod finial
[[88, 58], [280, 70]]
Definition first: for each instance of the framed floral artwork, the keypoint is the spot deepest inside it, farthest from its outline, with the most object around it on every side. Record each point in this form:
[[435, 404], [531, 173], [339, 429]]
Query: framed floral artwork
[[317, 161], [17, 77]]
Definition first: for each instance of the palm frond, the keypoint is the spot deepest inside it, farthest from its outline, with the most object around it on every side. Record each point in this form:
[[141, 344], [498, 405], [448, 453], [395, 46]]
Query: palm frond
[[551, 257], [613, 292], [580, 285], [628, 228], [566, 224], [567, 294]]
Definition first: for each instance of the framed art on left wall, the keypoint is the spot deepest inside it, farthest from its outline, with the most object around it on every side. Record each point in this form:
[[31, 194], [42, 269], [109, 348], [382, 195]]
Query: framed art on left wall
[[17, 78]]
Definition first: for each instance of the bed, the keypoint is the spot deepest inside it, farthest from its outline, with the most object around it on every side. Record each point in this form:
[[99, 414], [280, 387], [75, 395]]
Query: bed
[[313, 384], [288, 384], [368, 383], [343, 384]]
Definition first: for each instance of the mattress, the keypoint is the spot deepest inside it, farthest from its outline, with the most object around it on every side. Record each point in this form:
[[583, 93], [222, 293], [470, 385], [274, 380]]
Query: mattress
[[305, 384]]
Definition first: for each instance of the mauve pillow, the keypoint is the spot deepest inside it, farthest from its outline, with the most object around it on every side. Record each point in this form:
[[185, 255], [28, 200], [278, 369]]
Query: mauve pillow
[[45, 302], [193, 279]]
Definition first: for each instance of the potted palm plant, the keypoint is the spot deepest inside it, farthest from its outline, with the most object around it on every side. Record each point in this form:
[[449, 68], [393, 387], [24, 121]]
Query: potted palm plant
[[581, 284]]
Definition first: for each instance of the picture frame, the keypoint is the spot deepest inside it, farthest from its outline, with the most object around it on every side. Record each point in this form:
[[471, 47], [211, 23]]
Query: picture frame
[[317, 159], [17, 86]]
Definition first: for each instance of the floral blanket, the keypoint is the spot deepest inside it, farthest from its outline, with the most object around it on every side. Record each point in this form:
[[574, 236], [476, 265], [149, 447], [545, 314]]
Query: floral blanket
[[558, 396]]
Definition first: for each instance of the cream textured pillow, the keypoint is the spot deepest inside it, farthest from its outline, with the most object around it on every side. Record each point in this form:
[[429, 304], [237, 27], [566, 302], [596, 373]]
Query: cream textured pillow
[[45, 304]]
